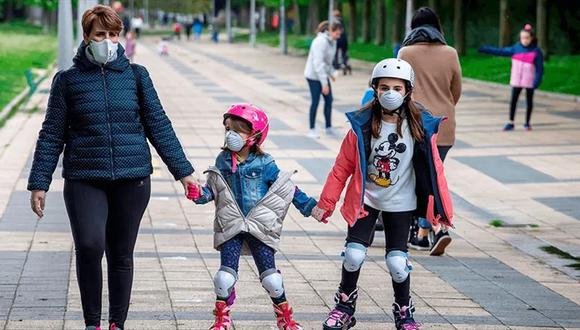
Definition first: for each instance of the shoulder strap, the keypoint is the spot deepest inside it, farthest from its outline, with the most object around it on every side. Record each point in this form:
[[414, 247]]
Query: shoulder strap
[[137, 75]]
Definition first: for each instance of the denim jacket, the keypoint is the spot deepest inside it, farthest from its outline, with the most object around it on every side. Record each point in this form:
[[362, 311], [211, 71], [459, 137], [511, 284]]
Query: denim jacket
[[251, 181]]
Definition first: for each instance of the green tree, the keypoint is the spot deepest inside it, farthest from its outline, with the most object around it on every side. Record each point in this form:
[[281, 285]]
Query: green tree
[[504, 26]]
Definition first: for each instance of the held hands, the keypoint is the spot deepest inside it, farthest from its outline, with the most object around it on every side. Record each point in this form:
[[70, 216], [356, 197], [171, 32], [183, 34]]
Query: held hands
[[190, 179], [37, 199], [320, 215], [193, 192]]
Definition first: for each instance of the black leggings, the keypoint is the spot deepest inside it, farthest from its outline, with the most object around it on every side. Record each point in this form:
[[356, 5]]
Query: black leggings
[[397, 226], [315, 91], [529, 102], [104, 218]]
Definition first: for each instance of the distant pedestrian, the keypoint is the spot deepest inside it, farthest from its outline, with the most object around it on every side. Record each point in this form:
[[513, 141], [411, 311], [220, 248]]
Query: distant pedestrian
[[438, 88], [188, 27], [137, 25], [163, 46], [130, 46], [177, 30], [275, 21], [319, 71], [341, 56], [527, 72], [197, 28]]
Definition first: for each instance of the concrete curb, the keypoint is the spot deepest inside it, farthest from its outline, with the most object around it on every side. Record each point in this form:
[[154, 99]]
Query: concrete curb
[[16, 101]]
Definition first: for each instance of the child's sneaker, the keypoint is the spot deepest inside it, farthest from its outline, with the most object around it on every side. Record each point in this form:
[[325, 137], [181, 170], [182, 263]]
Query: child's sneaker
[[92, 327], [509, 127], [440, 242], [342, 316], [222, 316], [527, 127], [114, 326], [284, 319], [420, 244], [404, 317]]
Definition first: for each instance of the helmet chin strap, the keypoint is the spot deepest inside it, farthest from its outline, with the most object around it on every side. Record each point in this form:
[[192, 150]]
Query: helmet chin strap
[[392, 112], [250, 141]]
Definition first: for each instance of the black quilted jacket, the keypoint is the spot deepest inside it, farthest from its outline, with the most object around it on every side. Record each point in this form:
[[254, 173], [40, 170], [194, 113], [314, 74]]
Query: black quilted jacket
[[103, 121]]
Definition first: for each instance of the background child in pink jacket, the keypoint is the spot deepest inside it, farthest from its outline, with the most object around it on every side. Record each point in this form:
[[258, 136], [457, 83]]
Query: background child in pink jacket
[[527, 71]]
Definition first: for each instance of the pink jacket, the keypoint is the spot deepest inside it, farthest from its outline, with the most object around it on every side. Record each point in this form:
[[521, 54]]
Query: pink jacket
[[433, 197], [347, 164]]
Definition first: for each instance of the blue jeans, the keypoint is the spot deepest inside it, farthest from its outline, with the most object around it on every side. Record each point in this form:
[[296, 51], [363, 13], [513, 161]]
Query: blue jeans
[[231, 250], [315, 92]]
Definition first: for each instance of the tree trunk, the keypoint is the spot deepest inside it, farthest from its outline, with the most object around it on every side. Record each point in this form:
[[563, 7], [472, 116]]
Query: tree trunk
[[542, 26], [409, 11], [353, 21], [397, 14], [283, 34], [380, 23], [45, 21], [504, 27], [313, 17], [459, 27], [366, 31], [433, 5], [297, 23]]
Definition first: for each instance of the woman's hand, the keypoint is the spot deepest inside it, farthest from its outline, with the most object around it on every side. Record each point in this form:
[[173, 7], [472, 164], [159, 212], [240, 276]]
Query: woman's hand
[[186, 181], [193, 192], [190, 179], [37, 199], [325, 90]]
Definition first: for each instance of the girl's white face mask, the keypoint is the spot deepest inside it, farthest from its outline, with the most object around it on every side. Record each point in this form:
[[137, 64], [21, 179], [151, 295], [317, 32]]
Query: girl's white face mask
[[391, 100]]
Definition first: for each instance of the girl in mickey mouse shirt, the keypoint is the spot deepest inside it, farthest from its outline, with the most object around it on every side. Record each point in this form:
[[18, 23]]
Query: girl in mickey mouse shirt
[[391, 158]]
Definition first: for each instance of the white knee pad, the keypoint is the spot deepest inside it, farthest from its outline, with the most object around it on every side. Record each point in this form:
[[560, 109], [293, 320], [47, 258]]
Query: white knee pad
[[399, 265], [224, 281], [272, 282], [354, 256]]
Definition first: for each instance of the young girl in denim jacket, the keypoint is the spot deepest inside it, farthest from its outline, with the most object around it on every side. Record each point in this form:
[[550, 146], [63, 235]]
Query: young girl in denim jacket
[[527, 71], [252, 197], [391, 161]]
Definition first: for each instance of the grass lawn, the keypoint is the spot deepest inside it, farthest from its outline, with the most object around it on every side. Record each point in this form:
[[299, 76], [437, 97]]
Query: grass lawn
[[561, 72], [22, 47]]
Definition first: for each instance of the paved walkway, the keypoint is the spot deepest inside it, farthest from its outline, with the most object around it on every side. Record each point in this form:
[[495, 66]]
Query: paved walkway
[[492, 278]]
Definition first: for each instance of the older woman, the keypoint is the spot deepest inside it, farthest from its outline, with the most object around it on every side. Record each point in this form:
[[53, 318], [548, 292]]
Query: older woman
[[102, 111], [438, 88]]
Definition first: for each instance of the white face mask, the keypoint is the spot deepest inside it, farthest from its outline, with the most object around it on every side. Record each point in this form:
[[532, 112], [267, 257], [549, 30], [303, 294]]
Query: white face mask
[[234, 141], [391, 100], [104, 51]]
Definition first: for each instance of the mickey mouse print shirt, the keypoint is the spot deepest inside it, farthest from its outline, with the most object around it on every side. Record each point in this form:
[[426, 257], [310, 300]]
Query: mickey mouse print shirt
[[390, 181]]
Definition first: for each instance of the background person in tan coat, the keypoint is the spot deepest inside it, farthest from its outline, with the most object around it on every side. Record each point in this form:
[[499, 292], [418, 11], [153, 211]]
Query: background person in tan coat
[[438, 88]]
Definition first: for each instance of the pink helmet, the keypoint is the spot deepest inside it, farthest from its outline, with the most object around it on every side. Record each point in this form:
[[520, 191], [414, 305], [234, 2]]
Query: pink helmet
[[252, 114]]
